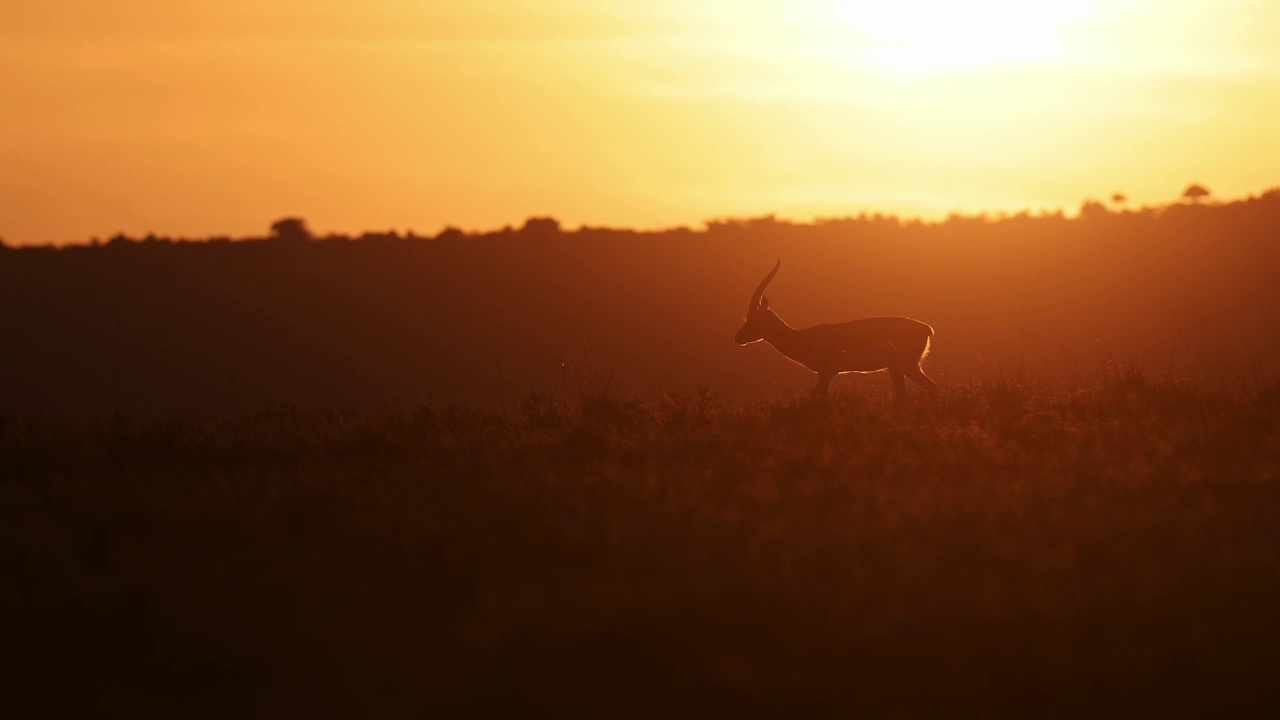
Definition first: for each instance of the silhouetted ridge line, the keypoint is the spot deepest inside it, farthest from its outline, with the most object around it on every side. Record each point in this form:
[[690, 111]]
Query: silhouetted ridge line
[[163, 326]]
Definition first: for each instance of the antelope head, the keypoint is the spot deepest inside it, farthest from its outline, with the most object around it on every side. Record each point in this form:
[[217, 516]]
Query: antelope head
[[760, 320]]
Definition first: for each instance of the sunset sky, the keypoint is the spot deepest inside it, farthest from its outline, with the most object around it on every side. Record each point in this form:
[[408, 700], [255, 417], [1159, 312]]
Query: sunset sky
[[198, 118]]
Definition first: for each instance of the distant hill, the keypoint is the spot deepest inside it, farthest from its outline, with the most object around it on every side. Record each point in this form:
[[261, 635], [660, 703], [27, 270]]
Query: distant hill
[[170, 326]]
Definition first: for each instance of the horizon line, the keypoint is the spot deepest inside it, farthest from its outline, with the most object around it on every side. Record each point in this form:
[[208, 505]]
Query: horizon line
[[1117, 204]]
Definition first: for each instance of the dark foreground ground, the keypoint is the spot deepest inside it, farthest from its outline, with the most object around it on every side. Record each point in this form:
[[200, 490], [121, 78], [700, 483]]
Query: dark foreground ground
[[1003, 550]]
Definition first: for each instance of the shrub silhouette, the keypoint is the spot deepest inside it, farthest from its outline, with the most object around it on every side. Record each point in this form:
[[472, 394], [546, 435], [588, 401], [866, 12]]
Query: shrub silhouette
[[1093, 210], [290, 229], [540, 227], [1195, 192]]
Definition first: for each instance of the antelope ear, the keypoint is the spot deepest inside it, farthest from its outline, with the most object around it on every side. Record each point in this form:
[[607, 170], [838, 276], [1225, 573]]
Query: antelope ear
[[764, 302]]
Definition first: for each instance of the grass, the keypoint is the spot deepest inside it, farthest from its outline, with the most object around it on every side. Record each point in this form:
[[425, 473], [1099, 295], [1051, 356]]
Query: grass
[[1002, 549]]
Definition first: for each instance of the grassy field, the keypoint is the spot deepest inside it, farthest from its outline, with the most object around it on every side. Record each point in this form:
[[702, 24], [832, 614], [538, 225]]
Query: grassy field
[[1001, 549]]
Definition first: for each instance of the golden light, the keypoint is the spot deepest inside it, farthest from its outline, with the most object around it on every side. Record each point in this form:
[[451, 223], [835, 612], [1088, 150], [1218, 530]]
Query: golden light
[[216, 117], [936, 34]]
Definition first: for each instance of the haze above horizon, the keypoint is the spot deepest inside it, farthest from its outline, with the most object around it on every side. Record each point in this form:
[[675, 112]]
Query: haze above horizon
[[191, 119]]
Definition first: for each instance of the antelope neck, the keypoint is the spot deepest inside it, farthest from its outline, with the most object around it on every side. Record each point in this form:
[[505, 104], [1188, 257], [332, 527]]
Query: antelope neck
[[781, 335]]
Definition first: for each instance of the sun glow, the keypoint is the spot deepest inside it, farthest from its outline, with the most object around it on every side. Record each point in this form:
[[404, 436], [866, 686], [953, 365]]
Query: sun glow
[[218, 117], [935, 34]]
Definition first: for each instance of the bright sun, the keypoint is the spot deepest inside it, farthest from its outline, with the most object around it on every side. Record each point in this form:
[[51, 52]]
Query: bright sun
[[932, 34]]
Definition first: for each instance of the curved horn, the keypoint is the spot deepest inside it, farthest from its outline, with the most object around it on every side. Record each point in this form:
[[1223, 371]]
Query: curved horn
[[755, 297]]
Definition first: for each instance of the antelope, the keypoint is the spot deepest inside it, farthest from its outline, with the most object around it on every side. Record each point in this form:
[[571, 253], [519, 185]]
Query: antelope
[[896, 344]]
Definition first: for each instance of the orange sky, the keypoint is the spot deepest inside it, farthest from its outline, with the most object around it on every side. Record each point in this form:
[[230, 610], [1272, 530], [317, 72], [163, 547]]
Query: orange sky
[[198, 118]]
